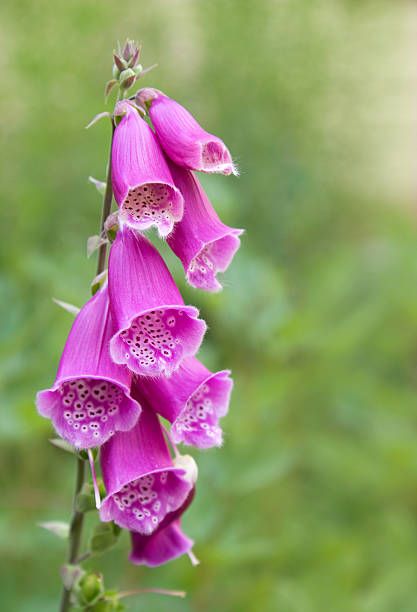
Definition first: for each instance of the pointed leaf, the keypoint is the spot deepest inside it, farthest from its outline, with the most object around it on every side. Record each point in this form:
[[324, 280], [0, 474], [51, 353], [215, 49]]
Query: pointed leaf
[[58, 528], [98, 281], [109, 87], [74, 310], [99, 185], [94, 243], [104, 537], [63, 445], [97, 118]]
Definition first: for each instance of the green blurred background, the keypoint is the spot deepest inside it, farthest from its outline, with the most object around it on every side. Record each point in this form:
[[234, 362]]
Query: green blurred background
[[312, 503]]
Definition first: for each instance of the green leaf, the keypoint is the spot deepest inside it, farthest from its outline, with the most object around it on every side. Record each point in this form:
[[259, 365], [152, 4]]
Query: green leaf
[[58, 528], [98, 282], [94, 243], [104, 537], [99, 185], [85, 500], [74, 310], [63, 445]]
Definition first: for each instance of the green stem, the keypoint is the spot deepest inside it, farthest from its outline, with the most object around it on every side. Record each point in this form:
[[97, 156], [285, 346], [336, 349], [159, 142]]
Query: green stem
[[108, 195], [77, 520], [75, 532]]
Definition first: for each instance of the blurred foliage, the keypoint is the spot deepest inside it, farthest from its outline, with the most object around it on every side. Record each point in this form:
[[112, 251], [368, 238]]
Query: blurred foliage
[[311, 504]]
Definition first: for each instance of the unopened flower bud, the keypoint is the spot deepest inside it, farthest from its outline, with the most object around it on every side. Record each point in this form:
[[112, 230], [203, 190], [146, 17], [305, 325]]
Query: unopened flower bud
[[119, 62], [127, 78], [90, 588]]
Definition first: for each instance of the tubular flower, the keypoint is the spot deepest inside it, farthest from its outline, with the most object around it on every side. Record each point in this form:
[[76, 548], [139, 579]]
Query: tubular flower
[[182, 138], [193, 399], [200, 240], [142, 183], [156, 331], [166, 543], [90, 399], [141, 481]]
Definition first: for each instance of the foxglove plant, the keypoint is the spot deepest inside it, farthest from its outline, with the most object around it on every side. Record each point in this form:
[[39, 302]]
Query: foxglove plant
[[130, 356]]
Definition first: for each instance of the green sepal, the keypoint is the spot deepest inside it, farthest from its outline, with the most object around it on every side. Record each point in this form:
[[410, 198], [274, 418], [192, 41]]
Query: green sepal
[[89, 589]]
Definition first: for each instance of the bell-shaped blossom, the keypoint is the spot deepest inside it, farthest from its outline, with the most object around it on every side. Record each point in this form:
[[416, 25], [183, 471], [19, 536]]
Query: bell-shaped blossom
[[168, 542], [182, 138], [193, 399], [90, 399], [142, 183], [141, 481], [156, 331], [200, 240]]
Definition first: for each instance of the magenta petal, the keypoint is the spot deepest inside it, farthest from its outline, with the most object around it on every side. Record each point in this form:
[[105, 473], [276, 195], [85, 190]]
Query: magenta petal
[[142, 183], [165, 545], [155, 330], [200, 240], [193, 399], [141, 483], [184, 140], [90, 399]]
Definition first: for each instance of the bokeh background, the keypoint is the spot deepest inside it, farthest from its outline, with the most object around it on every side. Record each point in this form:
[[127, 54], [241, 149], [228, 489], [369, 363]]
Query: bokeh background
[[312, 503]]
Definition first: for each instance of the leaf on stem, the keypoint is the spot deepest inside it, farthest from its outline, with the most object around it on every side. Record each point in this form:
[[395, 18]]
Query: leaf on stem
[[63, 445], [74, 310], [58, 528], [94, 243], [98, 282], [105, 536], [99, 185], [97, 118]]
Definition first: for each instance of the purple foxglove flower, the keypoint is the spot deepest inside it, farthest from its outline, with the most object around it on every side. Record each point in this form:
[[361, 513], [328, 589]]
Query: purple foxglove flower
[[90, 399], [165, 544], [182, 138], [193, 399], [141, 481], [200, 240], [155, 330], [158, 548], [142, 183]]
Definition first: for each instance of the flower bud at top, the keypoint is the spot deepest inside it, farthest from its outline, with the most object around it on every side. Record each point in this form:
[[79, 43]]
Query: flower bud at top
[[127, 78]]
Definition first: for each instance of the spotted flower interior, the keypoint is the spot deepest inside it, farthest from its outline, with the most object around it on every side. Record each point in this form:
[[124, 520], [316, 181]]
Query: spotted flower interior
[[213, 258], [152, 204], [198, 423], [88, 411], [142, 504], [157, 341]]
